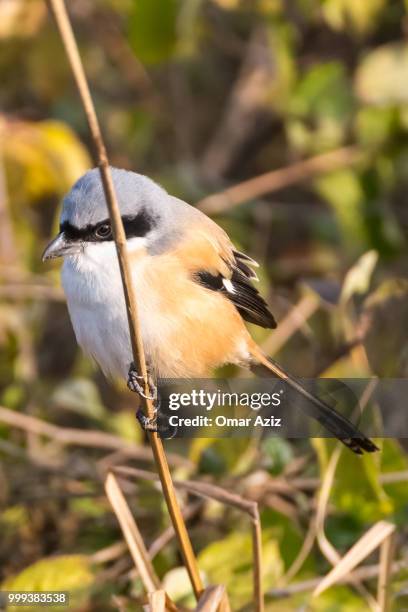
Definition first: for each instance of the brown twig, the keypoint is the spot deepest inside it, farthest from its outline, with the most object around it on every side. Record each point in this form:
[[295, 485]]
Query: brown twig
[[109, 553], [201, 489], [277, 179], [61, 16], [80, 437]]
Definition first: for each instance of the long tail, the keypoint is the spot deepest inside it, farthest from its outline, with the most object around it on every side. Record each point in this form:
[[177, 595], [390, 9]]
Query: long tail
[[335, 423]]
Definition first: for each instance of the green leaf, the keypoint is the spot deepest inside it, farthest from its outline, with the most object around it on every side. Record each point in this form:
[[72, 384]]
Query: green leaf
[[357, 489], [223, 456], [342, 189], [153, 29], [323, 91], [229, 561], [13, 518], [384, 318], [80, 395], [278, 453], [319, 108], [375, 125], [394, 459], [281, 44], [339, 599], [125, 425]]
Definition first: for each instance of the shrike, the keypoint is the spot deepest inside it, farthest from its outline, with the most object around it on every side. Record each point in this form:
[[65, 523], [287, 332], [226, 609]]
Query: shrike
[[194, 290]]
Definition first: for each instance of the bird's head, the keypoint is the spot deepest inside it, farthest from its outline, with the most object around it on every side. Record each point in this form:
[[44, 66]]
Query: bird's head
[[85, 225]]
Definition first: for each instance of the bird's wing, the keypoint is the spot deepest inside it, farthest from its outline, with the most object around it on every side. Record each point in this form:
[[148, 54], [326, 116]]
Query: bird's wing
[[216, 265]]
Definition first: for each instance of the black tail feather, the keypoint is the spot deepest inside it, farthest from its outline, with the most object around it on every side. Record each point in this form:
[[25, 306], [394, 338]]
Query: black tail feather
[[333, 421]]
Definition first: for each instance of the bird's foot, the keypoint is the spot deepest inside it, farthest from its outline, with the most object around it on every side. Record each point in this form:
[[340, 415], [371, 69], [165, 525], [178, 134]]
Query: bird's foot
[[147, 423], [135, 383]]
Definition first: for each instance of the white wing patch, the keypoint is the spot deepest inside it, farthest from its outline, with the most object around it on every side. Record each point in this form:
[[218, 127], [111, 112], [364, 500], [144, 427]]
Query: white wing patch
[[228, 285]]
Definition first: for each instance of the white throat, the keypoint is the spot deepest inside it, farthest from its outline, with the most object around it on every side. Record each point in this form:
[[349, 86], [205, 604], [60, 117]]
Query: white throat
[[93, 287]]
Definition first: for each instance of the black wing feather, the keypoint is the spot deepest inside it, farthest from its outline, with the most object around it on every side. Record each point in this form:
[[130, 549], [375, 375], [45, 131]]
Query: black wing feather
[[247, 300]]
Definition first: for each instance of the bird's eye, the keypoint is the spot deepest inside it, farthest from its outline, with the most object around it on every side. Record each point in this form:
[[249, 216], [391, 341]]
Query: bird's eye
[[103, 231]]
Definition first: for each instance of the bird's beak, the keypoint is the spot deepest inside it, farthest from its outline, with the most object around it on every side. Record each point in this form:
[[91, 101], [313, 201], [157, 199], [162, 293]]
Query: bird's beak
[[59, 247]]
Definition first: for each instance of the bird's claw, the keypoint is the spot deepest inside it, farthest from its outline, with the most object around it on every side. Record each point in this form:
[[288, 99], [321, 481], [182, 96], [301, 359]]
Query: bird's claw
[[135, 383], [147, 423]]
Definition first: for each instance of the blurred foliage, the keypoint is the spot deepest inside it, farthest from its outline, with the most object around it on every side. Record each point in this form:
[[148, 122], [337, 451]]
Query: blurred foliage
[[200, 94]]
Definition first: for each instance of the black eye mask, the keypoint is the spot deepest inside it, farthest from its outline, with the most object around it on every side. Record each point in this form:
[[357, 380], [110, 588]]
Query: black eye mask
[[136, 226]]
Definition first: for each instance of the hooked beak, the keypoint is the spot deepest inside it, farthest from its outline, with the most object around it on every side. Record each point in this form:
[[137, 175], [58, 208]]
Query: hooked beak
[[59, 247]]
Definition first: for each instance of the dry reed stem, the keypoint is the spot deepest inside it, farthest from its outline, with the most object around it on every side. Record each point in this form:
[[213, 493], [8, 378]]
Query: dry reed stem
[[387, 551], [277, 179], [225, 604], [257, 571], [294, 320], [131, 533], [373, 538], [325, 546], [316, 527], [366, 572], [211, 599], [157, 602], [211, 491], [71, 49]]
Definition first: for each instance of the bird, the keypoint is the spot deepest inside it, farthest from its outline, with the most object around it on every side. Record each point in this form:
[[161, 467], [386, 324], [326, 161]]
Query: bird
[[195, 290]]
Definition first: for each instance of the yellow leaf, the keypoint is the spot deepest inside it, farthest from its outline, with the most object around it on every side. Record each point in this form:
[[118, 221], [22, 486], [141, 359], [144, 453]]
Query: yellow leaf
[[21, 18], [42, 159], [361, 15], [70, 573], [381, 77], [357, 280]]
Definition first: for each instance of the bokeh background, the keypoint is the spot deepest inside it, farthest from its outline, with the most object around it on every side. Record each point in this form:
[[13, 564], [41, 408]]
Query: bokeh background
[[201, 95]]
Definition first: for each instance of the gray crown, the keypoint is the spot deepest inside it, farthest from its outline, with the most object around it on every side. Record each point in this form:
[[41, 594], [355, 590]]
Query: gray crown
[[86, 205]]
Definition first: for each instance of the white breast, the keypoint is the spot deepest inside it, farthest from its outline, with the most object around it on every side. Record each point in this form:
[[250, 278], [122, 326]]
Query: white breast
[[96, 305]]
